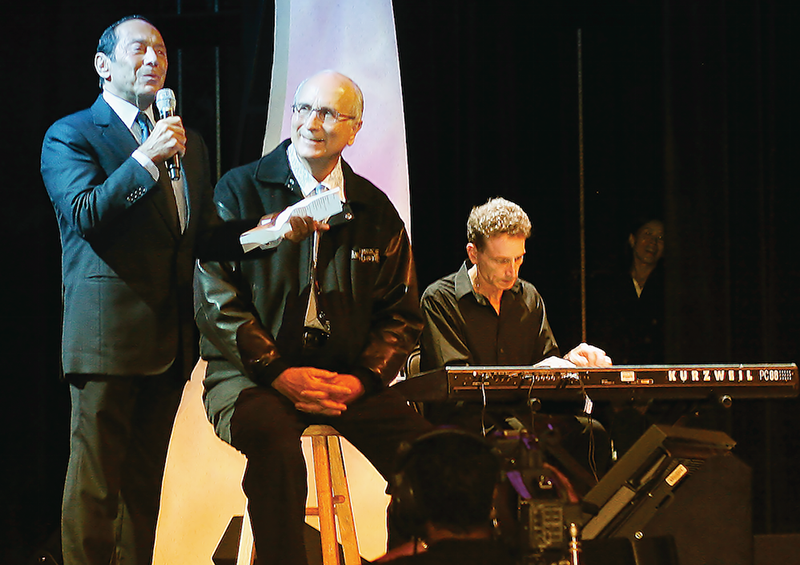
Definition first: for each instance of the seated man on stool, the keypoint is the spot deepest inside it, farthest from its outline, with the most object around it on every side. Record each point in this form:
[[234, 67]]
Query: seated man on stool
[[484, 314], [310, 332]]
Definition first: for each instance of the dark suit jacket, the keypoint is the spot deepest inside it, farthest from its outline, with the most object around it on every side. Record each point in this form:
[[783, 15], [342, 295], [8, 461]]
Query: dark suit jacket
[[126, 268]]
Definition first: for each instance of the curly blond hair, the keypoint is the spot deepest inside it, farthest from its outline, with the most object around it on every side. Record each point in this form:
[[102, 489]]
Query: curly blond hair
[[497, 216]]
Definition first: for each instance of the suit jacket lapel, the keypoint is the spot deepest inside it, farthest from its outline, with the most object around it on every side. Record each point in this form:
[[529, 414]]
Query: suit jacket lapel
[[121, 140], [164, 198]]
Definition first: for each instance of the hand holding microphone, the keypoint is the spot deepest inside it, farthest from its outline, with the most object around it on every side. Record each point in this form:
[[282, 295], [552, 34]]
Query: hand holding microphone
[[167, 142], [165, 103]]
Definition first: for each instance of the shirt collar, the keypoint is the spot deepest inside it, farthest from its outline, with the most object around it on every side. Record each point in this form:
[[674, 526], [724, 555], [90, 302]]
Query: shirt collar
[[464, 285], [307, 181], [126, 111]]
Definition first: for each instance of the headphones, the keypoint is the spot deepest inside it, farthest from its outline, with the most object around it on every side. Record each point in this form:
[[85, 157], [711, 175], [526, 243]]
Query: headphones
[[408, 509]]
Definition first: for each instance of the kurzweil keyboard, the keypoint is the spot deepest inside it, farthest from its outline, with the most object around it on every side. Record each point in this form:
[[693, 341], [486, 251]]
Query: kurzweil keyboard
[[620, 382]]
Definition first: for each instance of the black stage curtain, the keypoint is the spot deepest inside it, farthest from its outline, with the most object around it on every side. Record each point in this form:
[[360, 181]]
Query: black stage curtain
[[688, 113]]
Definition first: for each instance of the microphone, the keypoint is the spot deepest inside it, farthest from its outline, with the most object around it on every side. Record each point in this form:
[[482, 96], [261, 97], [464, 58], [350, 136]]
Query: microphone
[[165, 104]]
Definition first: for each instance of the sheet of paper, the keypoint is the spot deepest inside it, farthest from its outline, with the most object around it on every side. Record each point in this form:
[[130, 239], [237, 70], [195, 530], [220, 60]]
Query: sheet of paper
[[319, 207]]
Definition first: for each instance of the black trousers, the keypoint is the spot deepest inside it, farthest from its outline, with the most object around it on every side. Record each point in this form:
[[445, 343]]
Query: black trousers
[[266, 427], [120, 432]]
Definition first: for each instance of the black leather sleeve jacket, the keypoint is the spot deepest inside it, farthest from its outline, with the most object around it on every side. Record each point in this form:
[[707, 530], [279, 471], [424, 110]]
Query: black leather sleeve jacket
[[251, 313]]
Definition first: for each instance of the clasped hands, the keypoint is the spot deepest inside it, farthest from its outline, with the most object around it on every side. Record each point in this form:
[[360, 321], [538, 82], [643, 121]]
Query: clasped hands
[[318, 391]]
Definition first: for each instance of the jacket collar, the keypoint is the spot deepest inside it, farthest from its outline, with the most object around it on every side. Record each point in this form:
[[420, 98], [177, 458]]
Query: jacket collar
[[273, 168], [102, 114], [119, 136]]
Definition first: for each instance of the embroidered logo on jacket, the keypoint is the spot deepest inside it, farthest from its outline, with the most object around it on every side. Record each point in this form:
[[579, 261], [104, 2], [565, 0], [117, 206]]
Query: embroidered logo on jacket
[[366, 255]]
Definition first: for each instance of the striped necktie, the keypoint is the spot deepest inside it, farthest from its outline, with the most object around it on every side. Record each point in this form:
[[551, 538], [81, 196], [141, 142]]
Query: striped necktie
[[317, 328], [144, 127]]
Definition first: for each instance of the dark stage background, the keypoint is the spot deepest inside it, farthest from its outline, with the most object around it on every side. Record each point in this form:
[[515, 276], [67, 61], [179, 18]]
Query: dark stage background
[[689, 110]]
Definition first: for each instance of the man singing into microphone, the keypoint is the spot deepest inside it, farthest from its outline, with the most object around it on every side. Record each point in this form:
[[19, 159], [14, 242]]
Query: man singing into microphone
[[129, 239]]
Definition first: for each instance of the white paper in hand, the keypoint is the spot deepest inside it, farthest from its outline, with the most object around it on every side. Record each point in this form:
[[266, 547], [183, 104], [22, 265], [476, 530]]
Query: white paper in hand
[[318, 207]]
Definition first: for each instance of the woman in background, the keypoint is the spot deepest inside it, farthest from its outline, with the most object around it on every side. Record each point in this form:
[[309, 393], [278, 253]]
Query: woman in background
[[626, 319]]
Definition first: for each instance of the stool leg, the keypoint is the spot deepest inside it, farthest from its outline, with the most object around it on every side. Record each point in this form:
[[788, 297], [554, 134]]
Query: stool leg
[[344, 509], [247, 551], [327, 522]]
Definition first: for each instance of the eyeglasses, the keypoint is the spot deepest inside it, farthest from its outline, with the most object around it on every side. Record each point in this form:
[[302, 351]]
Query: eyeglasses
[[327, 115]]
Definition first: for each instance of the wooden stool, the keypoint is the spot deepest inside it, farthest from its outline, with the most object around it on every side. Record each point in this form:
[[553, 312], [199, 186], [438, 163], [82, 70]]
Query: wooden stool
[[333, 502], [333, 496]]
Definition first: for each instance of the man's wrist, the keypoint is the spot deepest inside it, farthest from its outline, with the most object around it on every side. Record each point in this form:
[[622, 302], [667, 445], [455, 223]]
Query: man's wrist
[[147, 163], [266, 372], [369, 379]]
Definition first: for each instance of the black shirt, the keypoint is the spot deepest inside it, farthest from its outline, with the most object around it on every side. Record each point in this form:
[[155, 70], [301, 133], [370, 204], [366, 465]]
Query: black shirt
[[462, 327], [628, 326]]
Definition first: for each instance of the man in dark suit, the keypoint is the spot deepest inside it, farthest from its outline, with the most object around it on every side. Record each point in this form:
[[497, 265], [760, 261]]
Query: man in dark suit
[[129, 237]]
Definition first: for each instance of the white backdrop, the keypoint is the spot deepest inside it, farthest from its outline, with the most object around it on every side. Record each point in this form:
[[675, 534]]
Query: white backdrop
[[357, 38]]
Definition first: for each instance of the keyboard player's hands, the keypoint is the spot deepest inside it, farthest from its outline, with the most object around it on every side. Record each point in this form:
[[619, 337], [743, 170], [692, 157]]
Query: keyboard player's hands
[[586, 355], [555, 363]]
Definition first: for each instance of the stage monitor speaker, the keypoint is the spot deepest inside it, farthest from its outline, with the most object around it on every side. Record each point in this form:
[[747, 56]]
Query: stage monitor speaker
[[678, 482]]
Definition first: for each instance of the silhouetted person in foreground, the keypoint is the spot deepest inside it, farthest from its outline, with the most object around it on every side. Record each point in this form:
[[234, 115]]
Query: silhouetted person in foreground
[[442, 495]]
